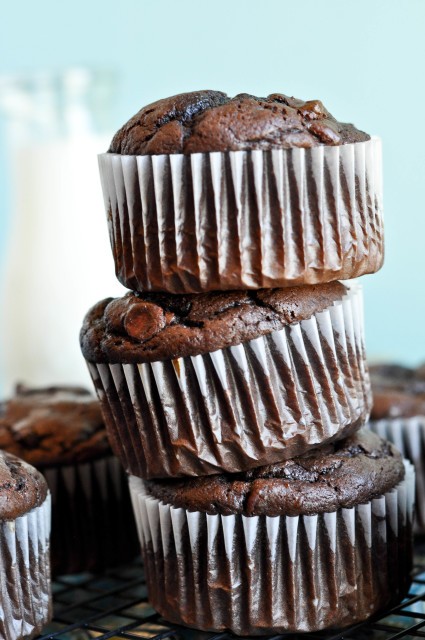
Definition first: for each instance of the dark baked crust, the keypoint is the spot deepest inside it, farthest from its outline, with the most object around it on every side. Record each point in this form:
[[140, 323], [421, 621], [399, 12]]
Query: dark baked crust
[[147, 327], [22, 487], [398, 391], [203, 121], [342, 474], [54, 425]]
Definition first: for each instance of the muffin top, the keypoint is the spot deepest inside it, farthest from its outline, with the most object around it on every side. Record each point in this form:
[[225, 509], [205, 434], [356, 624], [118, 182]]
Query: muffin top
[[144, 327], [54, 425], [202, 121], [398, 392], [341, 474], [22, 487]]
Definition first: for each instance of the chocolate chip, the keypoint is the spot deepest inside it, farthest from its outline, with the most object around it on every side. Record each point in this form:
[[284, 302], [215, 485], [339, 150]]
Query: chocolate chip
[[144, 320]]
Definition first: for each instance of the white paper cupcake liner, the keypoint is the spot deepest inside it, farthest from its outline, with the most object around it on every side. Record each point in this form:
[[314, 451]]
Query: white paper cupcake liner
[[84, 535], [25, 595], [261, 574], [408, 435], [244, 219], [241, 407]]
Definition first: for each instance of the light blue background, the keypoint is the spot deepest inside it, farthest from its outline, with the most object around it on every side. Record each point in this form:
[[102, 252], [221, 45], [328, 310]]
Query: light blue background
[[363, 58]]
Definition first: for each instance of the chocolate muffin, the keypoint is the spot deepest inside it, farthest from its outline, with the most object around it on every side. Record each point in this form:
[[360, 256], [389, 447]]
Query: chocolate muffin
[[60, 431], [227, 381], [53, 426], [342, 474], [398, 391], [320, 541], [398, 414], [24, 549], [205, 192], [204, 121]]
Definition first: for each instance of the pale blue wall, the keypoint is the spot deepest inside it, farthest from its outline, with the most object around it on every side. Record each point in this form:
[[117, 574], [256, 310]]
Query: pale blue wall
[[363, 58]]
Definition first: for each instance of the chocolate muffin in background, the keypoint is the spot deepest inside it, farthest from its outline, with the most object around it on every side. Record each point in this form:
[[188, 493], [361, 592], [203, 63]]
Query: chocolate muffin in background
[[227, 381], [206, 192], [321, 541], [25, 593], [398, 414], [398, 391], [60, 431]]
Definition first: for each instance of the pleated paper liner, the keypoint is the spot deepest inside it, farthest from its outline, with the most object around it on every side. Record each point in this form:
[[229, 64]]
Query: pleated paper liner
[[244, 219], [261, 574], [408, 435], [245, 406], [25, 596], [93, 523]]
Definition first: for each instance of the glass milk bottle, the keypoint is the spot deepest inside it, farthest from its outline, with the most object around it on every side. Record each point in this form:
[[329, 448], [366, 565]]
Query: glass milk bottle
[[56, 260]]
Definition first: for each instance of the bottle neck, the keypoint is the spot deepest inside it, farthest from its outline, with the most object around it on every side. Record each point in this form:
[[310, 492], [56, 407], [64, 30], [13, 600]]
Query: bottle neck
[[45, 107]]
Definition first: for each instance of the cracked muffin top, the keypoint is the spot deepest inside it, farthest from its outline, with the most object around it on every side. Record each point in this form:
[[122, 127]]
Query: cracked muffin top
[[145, 327], [203, 121], [22, 487], [53, 425], [342, 474]]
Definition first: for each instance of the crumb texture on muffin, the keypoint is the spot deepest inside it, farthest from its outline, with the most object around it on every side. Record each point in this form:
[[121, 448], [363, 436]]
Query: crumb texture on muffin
[[341, 474], [146, 327], [203, 121], [22, 487], [53, 425]]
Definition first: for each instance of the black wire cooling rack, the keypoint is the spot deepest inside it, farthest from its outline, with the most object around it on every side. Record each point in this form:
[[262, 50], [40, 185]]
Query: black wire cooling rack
[[115, 605]]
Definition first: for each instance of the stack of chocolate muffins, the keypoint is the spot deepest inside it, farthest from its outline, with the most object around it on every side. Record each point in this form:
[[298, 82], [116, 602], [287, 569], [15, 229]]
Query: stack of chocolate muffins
[[232, 376]]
